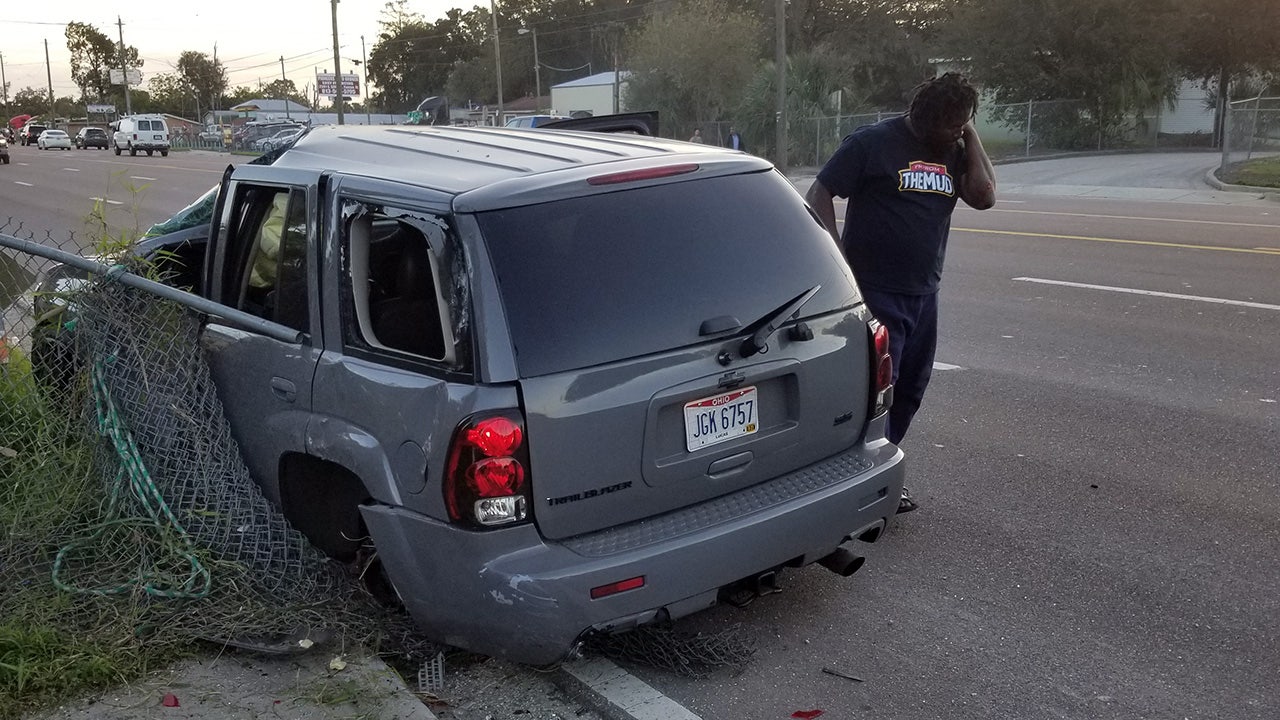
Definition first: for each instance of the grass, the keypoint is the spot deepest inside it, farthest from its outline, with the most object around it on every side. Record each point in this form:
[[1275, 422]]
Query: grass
[[1263, 172], [54, 645]]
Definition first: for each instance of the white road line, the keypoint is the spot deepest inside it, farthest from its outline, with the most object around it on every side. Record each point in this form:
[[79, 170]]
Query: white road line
[[1152, 293], [72, 169], [25, 184], [104, 200], [1138, 217], [140, 177], [945, 366], [626, 692]]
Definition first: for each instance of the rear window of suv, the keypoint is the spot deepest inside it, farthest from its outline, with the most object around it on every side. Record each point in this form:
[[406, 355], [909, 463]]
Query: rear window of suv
[[619, 275]]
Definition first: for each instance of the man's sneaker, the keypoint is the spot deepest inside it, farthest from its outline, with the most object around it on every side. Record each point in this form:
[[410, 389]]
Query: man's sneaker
[[906, 504]]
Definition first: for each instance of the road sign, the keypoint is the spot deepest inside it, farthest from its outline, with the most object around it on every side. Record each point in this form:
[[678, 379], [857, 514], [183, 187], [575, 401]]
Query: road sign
[[135, 77], [100, 109], [326, 84]]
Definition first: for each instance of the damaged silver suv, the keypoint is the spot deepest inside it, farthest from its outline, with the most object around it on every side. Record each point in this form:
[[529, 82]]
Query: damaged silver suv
[[566, 382]]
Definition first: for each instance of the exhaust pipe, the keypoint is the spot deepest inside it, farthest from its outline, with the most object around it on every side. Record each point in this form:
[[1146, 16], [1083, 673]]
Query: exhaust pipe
[[843, 562]]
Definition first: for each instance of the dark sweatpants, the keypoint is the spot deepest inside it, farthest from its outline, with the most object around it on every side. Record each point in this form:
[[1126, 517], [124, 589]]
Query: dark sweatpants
[[912, 321]]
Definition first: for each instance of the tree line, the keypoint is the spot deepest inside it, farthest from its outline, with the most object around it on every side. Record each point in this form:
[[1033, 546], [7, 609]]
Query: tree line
[[699, 61]]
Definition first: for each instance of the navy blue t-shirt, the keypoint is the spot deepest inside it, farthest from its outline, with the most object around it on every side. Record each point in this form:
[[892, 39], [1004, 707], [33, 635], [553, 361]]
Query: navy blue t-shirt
[[901, 195]]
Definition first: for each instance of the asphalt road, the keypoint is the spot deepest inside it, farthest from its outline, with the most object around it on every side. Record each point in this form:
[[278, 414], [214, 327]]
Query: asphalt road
[[54, 193], [1096, 464], [1098, 528]]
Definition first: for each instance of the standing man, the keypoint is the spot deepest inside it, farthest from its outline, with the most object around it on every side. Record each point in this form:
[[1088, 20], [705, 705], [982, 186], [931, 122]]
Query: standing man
[[697, 136], [901, 177], [735, 140]]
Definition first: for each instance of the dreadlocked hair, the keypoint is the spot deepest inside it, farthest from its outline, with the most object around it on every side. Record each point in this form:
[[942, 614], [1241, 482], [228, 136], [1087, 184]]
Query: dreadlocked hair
[[936, 101]]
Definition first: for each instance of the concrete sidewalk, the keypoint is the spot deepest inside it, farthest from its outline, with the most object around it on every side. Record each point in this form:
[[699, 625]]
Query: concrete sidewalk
[[237, 686]]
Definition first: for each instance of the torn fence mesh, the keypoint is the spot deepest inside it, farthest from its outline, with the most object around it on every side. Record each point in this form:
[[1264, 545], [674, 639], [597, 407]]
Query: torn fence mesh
[[176, 517]]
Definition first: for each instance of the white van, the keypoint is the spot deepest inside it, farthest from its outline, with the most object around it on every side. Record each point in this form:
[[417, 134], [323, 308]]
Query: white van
[[141, 132]]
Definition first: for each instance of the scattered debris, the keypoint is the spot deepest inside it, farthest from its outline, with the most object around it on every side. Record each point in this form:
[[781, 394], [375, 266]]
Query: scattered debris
[[170, 700], [431, 675], [690, 655], [338, 664], [837, 673], [806, 714]]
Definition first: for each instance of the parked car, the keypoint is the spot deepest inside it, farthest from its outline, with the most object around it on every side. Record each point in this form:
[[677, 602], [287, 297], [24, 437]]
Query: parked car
[[54, 138], [563, 387], [4, 150], [92, 137], [141, 132], [531, 121], [280, 139], [249, 133], [30, 133]]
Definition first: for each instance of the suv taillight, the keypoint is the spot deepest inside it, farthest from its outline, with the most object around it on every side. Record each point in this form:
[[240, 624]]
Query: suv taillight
[[486, 482], [882, 369]]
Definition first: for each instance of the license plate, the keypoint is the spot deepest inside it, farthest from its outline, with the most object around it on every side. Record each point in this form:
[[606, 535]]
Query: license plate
[[720, 417]]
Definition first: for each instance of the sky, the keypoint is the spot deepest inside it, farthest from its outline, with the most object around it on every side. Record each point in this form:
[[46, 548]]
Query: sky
[[250, 36]]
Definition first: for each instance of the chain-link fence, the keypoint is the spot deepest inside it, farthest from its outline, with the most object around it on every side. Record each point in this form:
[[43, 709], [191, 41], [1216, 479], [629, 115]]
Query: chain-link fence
[[1251, 128], [127, 517], [1010, 130], [1013, 130]]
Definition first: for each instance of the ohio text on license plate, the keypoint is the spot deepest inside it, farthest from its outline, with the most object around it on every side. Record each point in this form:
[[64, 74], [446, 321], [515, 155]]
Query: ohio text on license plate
[[720, 417]]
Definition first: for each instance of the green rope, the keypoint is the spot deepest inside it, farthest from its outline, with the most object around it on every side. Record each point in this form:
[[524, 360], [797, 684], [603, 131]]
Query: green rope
[[133, 477]]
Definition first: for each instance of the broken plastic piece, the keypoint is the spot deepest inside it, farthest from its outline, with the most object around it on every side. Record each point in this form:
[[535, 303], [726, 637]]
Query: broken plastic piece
[[806, 714], [431, 675], [170, 700]]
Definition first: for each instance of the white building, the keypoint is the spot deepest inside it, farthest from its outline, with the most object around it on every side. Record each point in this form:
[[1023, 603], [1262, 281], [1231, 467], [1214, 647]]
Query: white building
[[595, 94], [1189, 114]]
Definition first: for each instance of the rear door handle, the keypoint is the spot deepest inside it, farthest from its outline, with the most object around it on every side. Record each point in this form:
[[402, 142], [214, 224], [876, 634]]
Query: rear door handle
[[284, 389]]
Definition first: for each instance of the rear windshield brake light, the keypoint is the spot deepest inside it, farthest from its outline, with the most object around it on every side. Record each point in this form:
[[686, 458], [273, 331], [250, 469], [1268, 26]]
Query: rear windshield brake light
[[648, 174]]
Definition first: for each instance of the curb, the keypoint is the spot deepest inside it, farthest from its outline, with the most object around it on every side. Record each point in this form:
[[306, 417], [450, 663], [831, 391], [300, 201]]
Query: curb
[[615, 693], [1211, 179]]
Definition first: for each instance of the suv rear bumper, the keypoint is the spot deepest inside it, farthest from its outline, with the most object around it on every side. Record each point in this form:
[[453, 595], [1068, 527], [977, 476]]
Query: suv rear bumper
[[513, 594]]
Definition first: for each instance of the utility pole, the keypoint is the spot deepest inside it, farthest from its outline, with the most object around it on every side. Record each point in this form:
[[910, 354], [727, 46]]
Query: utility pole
[[285, 79], [4, 85], [497, 59], [780, 60], [537, 66], [616, 32], [128, 107], [337, 62], [53, 109], [217, 98], [364, 63], [537, 69]]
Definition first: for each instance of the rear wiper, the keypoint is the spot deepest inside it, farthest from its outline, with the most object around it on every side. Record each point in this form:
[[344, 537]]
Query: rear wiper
[[762, 329]]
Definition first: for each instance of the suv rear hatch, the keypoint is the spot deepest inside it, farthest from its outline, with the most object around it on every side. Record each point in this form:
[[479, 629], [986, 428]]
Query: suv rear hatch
[[629, 311]]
